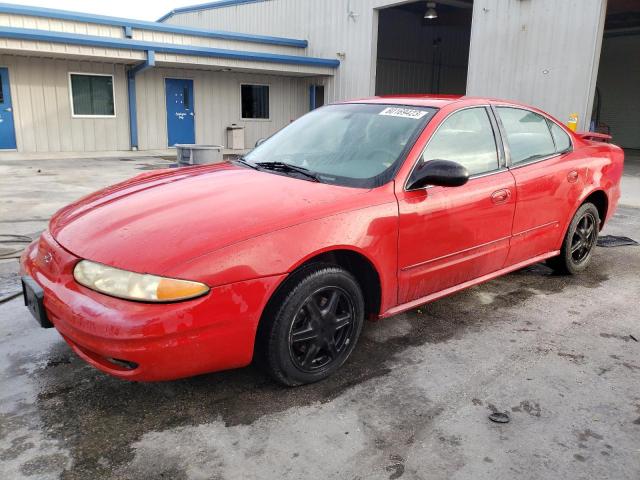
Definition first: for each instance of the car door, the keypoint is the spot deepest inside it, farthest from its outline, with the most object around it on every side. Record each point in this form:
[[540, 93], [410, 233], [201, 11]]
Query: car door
[[548, 176], [450, 235]]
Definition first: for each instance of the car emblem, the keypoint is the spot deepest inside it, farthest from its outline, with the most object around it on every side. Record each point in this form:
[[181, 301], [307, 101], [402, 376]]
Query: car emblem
[[47, 258]]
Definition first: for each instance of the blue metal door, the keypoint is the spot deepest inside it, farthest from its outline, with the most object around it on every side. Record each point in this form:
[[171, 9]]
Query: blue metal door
[[7, 129], [180, 115]]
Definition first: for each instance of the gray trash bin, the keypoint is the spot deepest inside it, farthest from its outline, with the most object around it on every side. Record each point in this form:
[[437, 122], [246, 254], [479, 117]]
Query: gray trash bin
[[191, 154]]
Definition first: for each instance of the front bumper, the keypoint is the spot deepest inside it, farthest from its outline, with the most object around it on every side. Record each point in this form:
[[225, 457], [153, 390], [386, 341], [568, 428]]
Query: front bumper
[[143, 341]]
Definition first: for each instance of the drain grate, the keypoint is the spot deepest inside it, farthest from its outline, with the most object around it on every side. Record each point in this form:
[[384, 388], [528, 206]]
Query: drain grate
[[615, 241]]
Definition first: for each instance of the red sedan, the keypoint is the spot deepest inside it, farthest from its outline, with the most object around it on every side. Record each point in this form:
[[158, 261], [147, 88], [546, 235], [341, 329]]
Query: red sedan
[[357, 210]]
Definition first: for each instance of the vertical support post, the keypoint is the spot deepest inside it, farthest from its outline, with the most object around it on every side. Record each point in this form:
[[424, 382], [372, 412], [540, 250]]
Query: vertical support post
[[131, 90], [312, 97], [133, 117]]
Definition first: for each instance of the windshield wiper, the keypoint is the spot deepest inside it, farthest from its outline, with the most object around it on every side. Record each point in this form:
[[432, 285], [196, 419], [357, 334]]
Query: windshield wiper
[[242, 161], [287, 167]]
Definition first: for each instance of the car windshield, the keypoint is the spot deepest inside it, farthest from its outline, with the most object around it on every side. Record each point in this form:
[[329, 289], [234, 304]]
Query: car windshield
[[358, 145]]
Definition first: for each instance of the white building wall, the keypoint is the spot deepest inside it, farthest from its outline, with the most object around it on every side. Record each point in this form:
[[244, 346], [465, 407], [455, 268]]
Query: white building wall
[[326, 24], [217, 105], [42, 107], [541, 52]]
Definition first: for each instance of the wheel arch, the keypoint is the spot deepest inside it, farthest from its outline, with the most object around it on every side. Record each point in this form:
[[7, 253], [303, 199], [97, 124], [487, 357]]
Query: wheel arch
[[356, 262], [601, 201]]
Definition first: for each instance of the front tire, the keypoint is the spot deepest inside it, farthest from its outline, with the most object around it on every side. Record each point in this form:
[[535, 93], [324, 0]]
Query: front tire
[[579, 242], [313, 327]]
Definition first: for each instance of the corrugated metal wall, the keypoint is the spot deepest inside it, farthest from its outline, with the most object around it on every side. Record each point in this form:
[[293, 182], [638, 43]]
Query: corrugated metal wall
[[42, 107], [326, 24], [619, 85], [217, 105], [541, 52]]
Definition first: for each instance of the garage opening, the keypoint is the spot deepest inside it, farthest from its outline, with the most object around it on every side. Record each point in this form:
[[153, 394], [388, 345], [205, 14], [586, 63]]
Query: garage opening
[[423, 47], [616, 106]]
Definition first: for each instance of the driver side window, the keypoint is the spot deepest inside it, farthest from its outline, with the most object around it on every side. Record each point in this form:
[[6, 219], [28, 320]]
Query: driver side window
[[465, 137]]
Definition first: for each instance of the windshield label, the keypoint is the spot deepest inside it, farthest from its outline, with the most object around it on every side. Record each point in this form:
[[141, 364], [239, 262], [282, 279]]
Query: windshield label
[[403, 112]]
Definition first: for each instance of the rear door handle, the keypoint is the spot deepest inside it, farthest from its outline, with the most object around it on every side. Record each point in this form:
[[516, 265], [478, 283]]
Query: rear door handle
[[572, 176], [501, 196]]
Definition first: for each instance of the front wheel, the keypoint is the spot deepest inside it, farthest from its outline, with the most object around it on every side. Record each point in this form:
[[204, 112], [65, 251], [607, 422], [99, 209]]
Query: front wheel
[[314, 329], [579, 242]]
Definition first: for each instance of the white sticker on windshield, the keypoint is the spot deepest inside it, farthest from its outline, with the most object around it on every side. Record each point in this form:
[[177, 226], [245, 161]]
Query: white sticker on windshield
[[403, 112]]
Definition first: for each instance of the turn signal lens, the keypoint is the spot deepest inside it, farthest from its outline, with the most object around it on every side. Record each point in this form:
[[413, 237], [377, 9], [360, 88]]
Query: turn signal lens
[[135, 286]]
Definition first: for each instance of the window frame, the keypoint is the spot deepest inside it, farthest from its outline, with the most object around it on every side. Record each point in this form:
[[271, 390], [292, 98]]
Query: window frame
[[497, 137], [91, 74], [505, 142], [250, 119]]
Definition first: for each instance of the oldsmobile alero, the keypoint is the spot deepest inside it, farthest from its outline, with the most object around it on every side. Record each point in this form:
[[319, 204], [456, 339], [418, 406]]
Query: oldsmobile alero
[[357, 210]]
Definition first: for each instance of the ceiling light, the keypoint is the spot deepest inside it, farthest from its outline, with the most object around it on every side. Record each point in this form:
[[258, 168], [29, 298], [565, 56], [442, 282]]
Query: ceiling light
[[431, 11]]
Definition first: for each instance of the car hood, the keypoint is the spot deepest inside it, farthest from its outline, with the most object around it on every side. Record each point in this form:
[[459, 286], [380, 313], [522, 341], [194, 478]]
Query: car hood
[[158, 220]]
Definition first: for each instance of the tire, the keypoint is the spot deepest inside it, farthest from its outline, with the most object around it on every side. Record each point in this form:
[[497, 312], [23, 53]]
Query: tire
[[579, 242], [312, 326]]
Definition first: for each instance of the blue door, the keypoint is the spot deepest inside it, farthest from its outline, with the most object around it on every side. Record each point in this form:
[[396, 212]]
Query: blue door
[[180, 117], [7, 129]]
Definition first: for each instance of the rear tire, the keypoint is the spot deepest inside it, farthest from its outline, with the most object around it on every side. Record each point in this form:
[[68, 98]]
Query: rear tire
[[312, 327], [579, 242]]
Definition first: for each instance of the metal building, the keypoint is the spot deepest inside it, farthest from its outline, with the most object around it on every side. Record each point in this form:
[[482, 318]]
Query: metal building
[[79, 82]]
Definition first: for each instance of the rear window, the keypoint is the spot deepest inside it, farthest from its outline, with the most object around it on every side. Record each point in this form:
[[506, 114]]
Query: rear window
[[560, 137]]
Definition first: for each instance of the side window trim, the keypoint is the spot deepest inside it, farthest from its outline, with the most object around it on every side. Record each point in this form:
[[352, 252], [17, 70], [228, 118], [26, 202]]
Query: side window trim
[[497, 136]]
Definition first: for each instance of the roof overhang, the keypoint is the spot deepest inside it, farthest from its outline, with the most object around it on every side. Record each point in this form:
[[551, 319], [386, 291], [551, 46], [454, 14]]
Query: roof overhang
[[206, 6], [12, 9], [131, 51]]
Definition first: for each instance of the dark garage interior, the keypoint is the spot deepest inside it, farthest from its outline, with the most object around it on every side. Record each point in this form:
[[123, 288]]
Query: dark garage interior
[[616, 106], [423, 47]]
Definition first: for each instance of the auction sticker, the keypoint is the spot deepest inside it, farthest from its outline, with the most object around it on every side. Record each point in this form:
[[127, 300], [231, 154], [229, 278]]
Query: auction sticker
[[403, 112]]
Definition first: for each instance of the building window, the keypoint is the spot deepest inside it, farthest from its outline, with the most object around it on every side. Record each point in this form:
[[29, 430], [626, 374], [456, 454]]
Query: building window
[[92, 95], [255, 101]]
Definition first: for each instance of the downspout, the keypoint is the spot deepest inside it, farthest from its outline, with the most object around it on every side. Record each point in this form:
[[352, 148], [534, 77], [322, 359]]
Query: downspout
[[131, 88]]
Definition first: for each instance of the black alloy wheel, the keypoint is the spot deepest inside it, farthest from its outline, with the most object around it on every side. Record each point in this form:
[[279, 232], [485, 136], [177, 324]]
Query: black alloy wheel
[[579, 241], [584, 237], [311, 325], [322, 329]]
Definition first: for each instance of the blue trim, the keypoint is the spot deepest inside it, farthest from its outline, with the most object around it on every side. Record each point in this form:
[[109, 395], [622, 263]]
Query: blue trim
[[131, 92], [206, 6], [312, 97], [133, 112], [141, 24], [109, 42]]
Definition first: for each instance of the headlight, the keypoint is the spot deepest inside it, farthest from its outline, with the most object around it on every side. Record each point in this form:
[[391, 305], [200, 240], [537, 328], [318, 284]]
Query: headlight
[[135, 286]]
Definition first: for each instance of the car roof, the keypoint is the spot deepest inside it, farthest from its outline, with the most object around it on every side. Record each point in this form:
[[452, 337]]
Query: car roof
[[435, 100]]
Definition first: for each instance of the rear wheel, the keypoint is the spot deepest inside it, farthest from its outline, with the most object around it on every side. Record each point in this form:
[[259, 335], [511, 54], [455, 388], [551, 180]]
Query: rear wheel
[[314, 328], [579, 242]]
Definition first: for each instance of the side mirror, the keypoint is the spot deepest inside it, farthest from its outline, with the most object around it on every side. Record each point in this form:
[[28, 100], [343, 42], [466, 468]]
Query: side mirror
[[444, 173], [259, 142]]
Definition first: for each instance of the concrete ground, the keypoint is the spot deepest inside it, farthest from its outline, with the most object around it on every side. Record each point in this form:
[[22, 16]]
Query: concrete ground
[[557, 353]]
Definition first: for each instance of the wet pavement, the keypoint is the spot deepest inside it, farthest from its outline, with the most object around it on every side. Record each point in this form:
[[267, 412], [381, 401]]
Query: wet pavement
[[557, 353]]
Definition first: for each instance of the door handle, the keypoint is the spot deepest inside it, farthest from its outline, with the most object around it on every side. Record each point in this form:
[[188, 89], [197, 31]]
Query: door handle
[[572, 176], [501, 196], [8, 109]]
